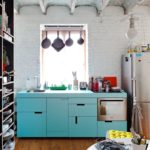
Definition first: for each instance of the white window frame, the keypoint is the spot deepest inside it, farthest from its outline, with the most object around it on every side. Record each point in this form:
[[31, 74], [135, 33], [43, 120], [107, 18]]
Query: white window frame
[[43, 28]]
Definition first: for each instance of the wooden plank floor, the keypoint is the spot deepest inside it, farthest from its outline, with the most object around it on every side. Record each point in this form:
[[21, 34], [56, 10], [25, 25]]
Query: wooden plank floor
[[53, 144]]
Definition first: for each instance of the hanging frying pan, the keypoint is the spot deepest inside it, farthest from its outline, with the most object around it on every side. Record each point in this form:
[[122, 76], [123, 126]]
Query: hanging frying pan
[[81, 40], [69, 41], [58, 43], [46, 42]]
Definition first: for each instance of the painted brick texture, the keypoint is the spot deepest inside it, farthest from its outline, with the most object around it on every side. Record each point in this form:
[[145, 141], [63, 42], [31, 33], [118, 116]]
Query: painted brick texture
[[106, 40]]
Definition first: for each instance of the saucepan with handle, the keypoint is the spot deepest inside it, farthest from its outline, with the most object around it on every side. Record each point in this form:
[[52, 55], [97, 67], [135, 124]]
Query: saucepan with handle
[[58, 43], [46, 42]]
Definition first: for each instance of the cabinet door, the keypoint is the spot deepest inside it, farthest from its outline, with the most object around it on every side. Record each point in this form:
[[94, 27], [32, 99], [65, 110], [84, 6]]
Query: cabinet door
[[104, 126], [82, 126], [31, 124], [57, 117]]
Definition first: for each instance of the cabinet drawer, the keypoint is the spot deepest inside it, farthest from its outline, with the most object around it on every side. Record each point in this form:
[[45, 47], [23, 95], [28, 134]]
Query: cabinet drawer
[[31, 124], [103, 127], [82, 109], [83, 100], [31, 104]]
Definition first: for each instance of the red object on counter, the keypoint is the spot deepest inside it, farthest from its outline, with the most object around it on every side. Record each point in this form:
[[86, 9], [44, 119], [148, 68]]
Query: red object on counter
[[95, 87], [111, 79]]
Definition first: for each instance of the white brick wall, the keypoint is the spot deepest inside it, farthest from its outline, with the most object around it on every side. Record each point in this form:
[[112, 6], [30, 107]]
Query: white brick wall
[[106, 41]]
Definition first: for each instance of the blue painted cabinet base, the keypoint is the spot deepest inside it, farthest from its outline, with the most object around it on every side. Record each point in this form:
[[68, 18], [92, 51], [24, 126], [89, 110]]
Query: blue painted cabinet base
[[31, 124], [57, 117], [103, 127], [82, 126], [61, 116]]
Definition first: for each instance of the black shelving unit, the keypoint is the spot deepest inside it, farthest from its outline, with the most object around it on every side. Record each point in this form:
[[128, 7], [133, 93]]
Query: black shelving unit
[[7, 104]]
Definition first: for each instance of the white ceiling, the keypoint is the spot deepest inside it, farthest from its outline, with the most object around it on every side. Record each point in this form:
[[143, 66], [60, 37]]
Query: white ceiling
[[100, 5]]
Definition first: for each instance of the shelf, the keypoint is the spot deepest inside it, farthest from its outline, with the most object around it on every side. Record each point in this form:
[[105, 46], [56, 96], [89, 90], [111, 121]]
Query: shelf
[[6, 143], [11, 103], [8, 34], [8, 117], [7, 77], [6, 72], [8, 40], [7, 129], [11, 82], [8, 94]]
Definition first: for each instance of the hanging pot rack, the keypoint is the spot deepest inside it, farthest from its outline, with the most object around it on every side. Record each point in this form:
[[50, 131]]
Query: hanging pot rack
[[64, 28], [67, 28]]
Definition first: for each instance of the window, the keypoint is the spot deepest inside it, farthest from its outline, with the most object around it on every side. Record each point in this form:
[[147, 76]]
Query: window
[[57, 67]]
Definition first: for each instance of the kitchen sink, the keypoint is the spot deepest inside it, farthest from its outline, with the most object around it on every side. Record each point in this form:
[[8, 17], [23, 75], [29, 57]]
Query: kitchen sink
[[36, 90]]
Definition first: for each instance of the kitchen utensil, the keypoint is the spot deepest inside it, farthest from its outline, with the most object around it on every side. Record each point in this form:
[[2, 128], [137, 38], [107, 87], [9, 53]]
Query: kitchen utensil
[[80, 40], [9, 134], [75, 81], [58, 43], [83, 85], [107, 86], [115, 89], [10, 145], [8, 112], [46, 42], [9, 121], [69, 41]]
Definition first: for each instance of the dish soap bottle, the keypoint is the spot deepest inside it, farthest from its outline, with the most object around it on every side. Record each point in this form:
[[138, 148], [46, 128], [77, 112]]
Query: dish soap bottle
[[75, 81], [28, 84]]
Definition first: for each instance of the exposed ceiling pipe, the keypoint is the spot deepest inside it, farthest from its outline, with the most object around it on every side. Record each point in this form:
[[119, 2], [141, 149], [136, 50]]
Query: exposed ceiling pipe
[[128, 5], [73, 5], [140, 1], [101, 5], [42, 6], [16, 7], [105, 3]]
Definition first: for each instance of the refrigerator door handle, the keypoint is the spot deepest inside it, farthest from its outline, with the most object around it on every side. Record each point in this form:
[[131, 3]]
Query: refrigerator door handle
[[135, 89]]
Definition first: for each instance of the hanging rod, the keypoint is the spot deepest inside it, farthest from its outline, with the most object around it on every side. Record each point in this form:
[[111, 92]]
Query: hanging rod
[[64, 27], [57, 26]]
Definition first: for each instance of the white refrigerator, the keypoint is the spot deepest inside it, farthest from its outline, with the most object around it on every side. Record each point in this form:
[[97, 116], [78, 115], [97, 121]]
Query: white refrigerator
[[136, 82]]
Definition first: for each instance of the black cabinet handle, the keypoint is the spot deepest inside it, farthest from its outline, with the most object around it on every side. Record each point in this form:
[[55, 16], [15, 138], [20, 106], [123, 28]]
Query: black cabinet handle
[[108, 121], [80, 104], [38, 112], [76, 120]]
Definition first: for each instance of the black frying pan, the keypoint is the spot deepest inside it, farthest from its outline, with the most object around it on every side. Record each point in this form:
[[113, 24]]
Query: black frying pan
[[46, 42], [81, 40], [69, 41], [58, 43]]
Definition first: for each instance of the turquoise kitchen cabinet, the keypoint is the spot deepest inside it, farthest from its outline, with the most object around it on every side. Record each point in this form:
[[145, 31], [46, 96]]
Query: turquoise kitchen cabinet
[[80, 126], [57, 117], [31, 117], [63, 114], [31, 124], [29, 104], [104, 126], [83, 117]]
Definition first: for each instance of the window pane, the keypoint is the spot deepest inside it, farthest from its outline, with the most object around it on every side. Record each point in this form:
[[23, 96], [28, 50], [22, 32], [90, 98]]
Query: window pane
[[58, 66]]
